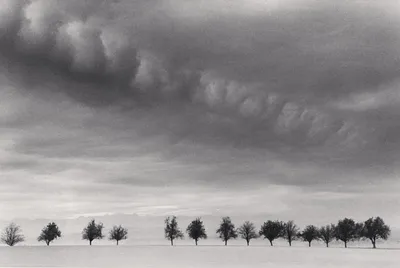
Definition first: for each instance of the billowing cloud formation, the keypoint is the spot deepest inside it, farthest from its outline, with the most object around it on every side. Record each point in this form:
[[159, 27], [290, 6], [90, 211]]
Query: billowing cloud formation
[[69, 37], [212, 84], [275, 72]]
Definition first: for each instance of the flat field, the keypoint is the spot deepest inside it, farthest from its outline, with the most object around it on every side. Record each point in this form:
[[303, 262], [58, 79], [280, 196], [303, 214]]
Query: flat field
[[201, 257]]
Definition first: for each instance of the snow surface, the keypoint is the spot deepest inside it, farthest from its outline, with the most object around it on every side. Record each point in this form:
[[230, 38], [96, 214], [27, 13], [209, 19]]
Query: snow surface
[[201, 256]]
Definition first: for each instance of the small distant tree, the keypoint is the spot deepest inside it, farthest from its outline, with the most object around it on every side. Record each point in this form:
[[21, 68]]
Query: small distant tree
[[272, 230], [247, 231], [196, 230], [118, 233], [12, 235], [374, 229], [172, 230], [347, 230], [226, 230], [290, 231], [93, 231], [49, 233], [327, 233], [309, 234]]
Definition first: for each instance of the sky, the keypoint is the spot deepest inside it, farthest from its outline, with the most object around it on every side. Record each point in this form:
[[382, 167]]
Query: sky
[[252, 109]]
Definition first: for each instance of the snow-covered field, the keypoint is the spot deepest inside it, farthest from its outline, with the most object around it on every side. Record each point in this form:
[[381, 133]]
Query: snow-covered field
[[201, 256]]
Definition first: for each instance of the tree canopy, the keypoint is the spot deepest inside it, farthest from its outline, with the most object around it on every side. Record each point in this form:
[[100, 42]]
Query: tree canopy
[[247, 231], [290, 231], [226, 230], [12, 235], [327, 233], [347, 230], [49, 233], [172, 230], [196, 230], [118, 233], [309, 234], [272, 230], [374, 229], [93, 231]]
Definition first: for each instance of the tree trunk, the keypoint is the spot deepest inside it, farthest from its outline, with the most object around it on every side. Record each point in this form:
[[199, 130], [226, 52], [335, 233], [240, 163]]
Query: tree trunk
[[290, 243], [226, 242], [117, 242], [345, 244], [90, 242], [48, 243], [270, 241], [327, 244], [248, 242], [172, 242], [374, 244], [195, 241], [309, 244]]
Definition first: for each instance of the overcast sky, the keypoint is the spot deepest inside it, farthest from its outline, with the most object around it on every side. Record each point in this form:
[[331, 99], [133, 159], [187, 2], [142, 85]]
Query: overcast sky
[[288, 109]]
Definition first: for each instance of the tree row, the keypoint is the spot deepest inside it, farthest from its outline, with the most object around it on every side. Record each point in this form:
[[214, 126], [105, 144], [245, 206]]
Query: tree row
[[12, 234], [345, 230]]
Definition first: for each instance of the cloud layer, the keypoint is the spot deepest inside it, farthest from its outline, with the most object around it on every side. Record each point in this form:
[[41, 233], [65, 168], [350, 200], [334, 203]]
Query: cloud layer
[[217, 95]]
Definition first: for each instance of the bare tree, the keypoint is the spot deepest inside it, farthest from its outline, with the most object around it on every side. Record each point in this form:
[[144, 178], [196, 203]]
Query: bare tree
[[172, 230], [374, 229], [347, 230], [49, 233], [309, 234], [118, 233], [247, 231], [12, 235], [93, 231], [226, 230], [290, 231], [327, 233], [272, 230], [196, 230]]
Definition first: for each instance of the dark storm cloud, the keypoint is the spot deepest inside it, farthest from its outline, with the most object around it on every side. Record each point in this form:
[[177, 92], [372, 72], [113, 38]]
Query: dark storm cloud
[[321, 50], [58, 38], [258, 75]]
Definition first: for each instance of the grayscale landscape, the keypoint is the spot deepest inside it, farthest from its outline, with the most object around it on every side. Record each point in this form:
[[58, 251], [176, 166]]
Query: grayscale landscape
[[199, 133]]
